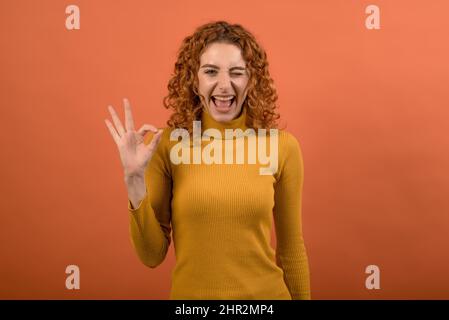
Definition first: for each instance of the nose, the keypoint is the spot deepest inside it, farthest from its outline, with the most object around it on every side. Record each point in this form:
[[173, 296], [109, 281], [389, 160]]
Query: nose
[[224, 82]]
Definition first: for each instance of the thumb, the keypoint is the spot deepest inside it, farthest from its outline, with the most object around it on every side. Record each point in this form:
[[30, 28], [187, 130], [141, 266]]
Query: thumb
[[145, 128]]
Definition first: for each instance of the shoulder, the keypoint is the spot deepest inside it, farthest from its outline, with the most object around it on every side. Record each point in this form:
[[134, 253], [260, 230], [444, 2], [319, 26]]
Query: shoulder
[[288, 144], [290, 153]]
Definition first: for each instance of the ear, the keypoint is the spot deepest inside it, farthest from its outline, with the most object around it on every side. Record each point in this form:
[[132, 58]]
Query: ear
[[203, 100], [195, 88]]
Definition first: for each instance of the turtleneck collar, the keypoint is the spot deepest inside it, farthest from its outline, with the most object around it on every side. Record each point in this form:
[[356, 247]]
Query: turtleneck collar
[[207, 122]]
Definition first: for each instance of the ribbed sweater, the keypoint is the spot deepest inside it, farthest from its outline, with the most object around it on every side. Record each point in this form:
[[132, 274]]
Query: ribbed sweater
[[220, 216]]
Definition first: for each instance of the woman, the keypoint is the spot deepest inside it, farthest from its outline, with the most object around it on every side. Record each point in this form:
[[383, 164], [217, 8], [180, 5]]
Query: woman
[[221, 213]]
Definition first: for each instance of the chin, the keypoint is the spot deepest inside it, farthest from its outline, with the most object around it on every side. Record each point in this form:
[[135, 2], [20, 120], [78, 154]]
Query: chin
[[224, 117]]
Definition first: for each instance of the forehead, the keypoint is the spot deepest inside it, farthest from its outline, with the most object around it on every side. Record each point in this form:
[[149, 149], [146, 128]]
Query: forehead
[[222, 54]]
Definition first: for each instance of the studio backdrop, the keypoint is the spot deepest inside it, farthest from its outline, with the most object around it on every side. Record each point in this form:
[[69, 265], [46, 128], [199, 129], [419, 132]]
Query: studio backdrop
[[362, 85]]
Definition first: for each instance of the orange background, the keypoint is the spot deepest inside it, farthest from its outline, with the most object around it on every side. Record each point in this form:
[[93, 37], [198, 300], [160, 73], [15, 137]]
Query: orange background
[[369, 107]]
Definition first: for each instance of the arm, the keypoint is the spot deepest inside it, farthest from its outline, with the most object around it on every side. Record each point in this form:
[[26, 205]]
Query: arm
[[150, 222], [291, 253]]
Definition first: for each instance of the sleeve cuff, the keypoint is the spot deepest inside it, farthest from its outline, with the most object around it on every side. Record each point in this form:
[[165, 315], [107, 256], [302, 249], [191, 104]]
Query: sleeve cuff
[[132, 209]]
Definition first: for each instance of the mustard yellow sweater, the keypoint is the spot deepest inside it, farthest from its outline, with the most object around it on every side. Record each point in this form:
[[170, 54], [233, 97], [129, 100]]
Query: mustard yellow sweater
[[221, 216]]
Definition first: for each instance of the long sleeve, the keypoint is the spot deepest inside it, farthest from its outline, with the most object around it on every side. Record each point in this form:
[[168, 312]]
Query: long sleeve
[[150, 222], [291, 253]]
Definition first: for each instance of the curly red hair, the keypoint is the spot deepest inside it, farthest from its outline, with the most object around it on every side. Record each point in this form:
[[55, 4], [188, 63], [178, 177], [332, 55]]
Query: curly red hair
[[183, 97]]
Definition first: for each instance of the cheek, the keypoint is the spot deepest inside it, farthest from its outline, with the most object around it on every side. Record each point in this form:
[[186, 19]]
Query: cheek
[[205, 83], [203, 89], [241, 84]]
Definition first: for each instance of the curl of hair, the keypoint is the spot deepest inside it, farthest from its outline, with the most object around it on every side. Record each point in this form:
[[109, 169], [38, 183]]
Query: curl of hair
[[183, 96]]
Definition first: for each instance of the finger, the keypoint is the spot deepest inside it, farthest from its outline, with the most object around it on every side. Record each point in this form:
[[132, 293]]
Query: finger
[[129, 122], [117, 122], [155, 141], [145, 128], [114, 133]]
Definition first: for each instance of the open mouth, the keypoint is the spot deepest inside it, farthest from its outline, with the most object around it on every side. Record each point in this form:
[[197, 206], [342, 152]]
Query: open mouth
[[223, 105]]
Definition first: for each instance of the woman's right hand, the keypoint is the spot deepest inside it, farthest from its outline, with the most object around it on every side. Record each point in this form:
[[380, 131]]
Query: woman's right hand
[[134, 153]]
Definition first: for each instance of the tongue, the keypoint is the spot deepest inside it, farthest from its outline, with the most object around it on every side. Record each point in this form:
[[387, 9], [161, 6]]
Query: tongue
[[223, 104]]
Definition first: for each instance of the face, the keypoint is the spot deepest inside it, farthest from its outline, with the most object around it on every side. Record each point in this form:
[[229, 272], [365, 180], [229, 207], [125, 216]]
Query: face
[[222, 81]]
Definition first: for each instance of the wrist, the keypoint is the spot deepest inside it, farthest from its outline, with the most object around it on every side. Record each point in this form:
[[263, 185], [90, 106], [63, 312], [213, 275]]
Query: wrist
[[129, 178]]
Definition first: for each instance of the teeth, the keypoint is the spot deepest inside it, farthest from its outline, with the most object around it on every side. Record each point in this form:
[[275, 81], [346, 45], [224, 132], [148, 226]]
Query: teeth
[[223, 99]]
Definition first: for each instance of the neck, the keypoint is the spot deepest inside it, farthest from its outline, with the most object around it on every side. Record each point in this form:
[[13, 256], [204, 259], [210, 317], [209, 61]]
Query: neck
[[208, 122]]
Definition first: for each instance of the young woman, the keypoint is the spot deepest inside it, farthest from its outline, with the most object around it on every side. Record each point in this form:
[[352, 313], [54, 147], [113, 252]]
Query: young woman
[[220, 212]]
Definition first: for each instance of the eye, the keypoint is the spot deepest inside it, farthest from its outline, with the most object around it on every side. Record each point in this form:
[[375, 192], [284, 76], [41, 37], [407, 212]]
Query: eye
[[212, 71]]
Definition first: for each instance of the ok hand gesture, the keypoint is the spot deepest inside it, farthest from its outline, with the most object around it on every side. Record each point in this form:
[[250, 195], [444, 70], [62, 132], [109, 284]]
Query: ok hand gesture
[[134, 154]]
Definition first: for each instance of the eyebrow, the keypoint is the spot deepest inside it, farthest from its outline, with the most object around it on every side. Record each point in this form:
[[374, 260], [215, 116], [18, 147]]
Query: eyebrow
[[216, 67]]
